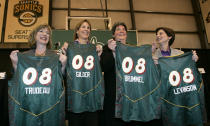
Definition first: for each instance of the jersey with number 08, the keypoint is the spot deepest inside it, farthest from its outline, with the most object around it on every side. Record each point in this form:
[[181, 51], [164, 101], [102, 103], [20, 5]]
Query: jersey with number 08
[[84, 79], [36, 92], [182, 91], [137, 83]]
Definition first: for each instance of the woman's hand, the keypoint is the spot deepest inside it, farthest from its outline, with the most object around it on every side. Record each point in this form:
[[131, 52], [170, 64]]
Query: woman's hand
[[65, 46], [63, 57], [155, 59], [14, 58], [112, 44], [99, 49], [63, 60], [195, 56], [154, 46]]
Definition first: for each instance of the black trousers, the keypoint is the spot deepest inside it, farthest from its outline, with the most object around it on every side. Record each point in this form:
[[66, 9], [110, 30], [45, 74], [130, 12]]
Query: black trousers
[[83, 119]]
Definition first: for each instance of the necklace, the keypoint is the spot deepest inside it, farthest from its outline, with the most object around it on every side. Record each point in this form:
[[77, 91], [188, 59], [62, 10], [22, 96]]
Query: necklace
[[40, 54]]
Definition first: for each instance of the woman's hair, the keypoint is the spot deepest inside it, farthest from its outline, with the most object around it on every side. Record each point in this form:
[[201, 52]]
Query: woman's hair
[[118, 24], [32, 36], [78, 27], [169, 32]]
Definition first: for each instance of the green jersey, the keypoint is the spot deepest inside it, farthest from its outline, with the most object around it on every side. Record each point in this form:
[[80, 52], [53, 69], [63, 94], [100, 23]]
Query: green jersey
[[181, 88], [84, 79], [36, 92], [137, 83]]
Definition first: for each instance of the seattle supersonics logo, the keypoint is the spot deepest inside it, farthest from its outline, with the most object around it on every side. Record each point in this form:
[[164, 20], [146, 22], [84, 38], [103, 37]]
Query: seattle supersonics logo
[[27, 12]]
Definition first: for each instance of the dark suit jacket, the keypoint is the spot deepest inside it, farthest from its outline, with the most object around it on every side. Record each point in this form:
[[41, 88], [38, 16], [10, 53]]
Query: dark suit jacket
[[108, 67]]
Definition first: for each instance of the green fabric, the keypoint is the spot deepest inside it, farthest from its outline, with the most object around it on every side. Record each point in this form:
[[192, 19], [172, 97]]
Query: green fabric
[[84, 87], [137, 100], [37, 104], [181, 104]]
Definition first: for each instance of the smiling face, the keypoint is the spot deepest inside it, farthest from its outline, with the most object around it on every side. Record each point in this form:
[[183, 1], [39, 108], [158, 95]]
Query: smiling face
[[42, 36], [162, 37], [84, 31], [120, 34]]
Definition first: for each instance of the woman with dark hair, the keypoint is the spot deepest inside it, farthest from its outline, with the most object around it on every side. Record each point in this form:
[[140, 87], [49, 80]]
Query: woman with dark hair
[[174, 60], [36, 92], [177, 68], [119, 33], [165, 38], [85, 91]]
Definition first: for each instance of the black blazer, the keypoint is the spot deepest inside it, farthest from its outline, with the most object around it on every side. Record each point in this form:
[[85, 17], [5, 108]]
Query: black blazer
[[108, 67]]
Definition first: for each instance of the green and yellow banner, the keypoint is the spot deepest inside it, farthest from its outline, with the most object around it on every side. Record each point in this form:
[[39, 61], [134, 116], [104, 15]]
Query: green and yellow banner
[[22, 17]]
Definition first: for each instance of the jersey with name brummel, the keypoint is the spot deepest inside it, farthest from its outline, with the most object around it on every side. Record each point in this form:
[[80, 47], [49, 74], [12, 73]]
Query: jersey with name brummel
[[137, 83]]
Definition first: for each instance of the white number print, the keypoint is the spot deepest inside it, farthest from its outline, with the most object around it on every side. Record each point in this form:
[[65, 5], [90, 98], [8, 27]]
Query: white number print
[[45, 78], [127, 65], [89, 64], [140, 67], [188, 75], [78, 62], [175, 77], [30, 76]]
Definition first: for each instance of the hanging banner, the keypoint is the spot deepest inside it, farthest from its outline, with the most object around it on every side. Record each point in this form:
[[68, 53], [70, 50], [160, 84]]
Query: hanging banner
[[2, 4], [205, 8], [22, 17]]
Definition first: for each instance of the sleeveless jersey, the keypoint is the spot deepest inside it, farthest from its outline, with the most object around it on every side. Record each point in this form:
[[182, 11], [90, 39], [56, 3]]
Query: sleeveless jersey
[[182, 91], [137, 83], [36, 92], [85, 90]]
